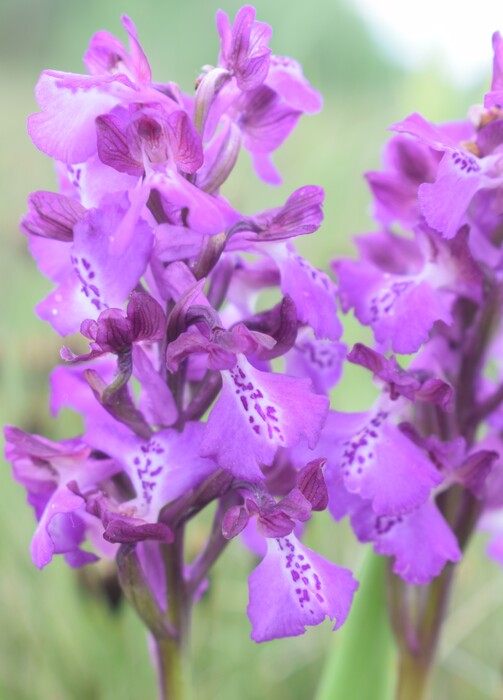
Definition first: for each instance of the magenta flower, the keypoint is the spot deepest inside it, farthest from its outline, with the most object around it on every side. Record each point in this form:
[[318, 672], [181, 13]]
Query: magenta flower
[[52, 473], [194, 392], [182, 406], [244, 47]]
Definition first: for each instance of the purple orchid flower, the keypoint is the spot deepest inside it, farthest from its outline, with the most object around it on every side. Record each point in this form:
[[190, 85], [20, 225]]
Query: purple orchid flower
[[115, 331], [88, 283], [182, 400], [263, 94], [107, 55], [425, 275], [51, 473], [264, 409], [293, 586], [463, 171], [244, 47]]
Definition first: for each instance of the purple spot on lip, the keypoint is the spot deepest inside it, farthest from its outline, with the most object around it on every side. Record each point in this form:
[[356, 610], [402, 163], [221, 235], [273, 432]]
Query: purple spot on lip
[[359, 450], [384, 523], [384, 302], [253, 401], [85, 273], [148, 470], [301, 570], [465, 163]]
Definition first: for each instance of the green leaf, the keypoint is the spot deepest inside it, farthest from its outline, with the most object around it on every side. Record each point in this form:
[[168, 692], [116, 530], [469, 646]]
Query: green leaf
[[362, 662]]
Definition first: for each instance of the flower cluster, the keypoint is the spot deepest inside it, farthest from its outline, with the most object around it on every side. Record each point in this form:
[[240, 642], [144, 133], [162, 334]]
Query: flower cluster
[[417, 471], [176, 371], [163, 277]]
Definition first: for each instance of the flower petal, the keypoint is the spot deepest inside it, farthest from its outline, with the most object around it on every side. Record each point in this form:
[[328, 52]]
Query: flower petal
[[421, 541], [261, 411], [294, 587]]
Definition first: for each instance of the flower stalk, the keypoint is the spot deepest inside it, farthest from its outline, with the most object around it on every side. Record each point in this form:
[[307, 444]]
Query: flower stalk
[[174, 672], [173, 651], [417, 615]]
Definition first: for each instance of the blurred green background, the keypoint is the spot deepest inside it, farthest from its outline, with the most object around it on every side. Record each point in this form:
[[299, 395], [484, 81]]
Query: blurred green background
[[58, 640]]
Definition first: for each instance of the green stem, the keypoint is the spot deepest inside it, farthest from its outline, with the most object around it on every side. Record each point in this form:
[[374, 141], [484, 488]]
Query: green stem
[[412, 677], [360, 664], [173, 669], [172, 651], [169, 629], [417, 614]]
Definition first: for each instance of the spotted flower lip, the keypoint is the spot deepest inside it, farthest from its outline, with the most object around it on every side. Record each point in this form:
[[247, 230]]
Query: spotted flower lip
[[404, 296], [294, 587], [369, 457], [421, 541], [264, 411], [460, 176], [379, 463], [320, 360], [160, 469], [264, 408], [374, 294], [418, 538]]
